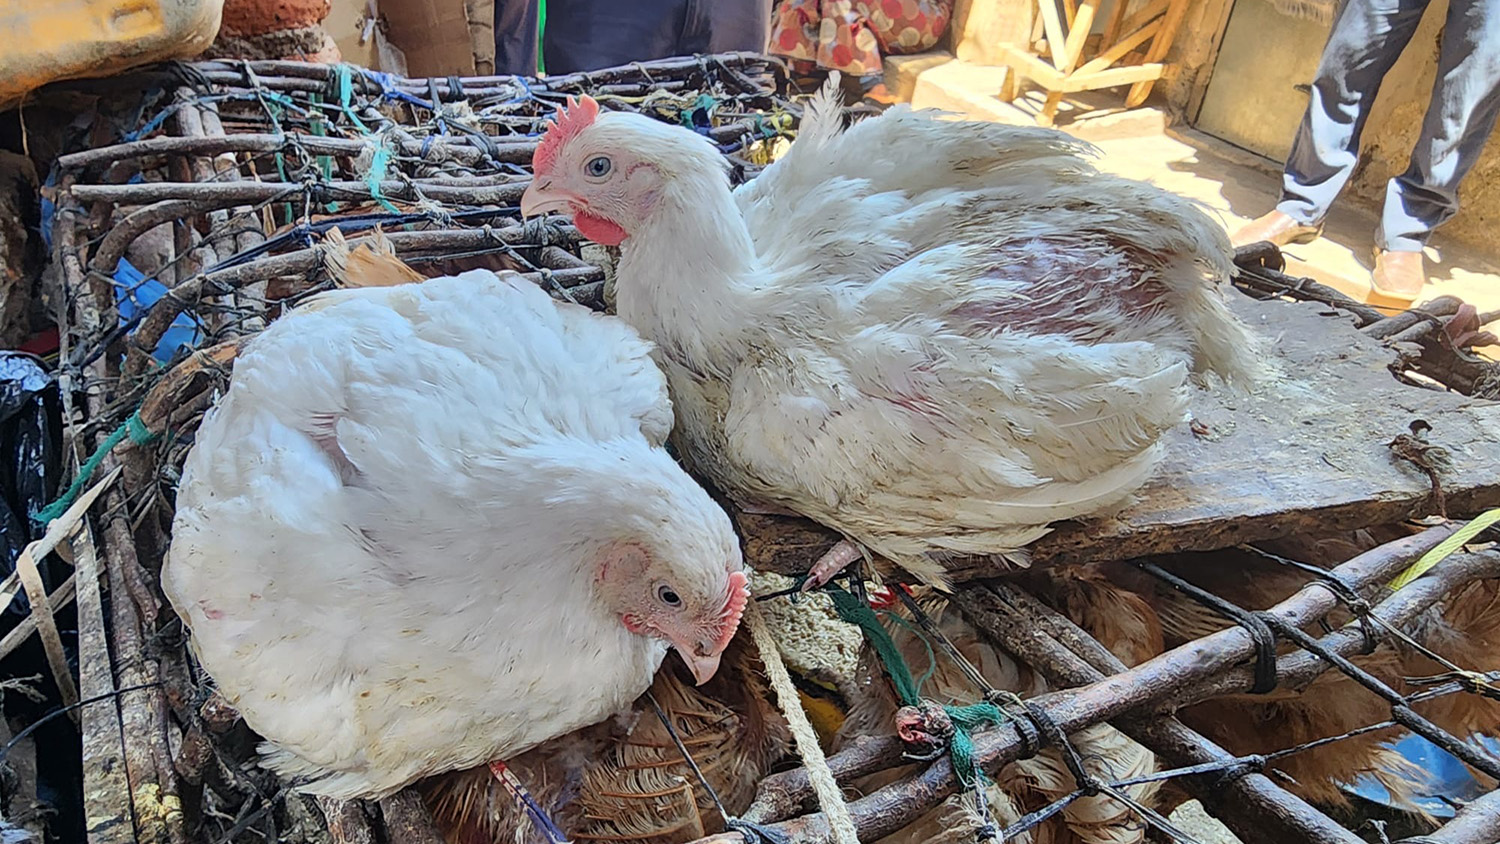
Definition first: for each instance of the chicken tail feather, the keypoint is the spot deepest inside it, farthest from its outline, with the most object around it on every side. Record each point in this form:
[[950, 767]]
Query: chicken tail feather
[[371, 262]]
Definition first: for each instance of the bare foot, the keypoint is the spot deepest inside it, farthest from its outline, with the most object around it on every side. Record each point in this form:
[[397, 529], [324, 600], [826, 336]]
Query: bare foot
[[836, 560]]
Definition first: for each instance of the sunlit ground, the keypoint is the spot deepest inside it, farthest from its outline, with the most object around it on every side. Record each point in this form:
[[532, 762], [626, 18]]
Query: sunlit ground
[[1239, 188]]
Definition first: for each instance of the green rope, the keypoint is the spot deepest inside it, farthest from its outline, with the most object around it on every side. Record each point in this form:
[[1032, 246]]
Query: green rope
[[541, 28], [858, 613], [964, 718], [346, 98], [133, 428], [379, 163], [705, 102]]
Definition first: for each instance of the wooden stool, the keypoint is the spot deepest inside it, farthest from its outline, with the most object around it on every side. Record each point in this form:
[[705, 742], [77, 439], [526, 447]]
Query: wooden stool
[[1142, 40]]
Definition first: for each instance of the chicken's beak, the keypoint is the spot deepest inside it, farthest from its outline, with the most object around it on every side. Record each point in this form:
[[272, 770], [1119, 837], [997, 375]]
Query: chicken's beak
[[703, 667], [539, 198]]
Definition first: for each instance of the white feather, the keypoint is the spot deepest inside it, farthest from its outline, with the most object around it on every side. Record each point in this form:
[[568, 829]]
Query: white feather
[[935, 337], [387, 531]]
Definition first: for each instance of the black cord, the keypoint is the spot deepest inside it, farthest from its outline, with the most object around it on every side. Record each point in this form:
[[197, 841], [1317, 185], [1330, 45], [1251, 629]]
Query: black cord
[[752, 832], [1260, 633], [63, 710]]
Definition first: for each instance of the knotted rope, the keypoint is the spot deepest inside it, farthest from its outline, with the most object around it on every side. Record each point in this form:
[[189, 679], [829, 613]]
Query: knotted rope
[[965, 718]]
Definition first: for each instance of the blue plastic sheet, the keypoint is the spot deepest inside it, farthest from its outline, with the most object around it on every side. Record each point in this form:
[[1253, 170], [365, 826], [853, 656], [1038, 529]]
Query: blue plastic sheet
[[1447, 778], [134, 294]]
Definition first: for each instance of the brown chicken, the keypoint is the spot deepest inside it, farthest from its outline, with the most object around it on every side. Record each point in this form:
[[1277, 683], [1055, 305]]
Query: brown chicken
[[1464, 628], [624, 781]]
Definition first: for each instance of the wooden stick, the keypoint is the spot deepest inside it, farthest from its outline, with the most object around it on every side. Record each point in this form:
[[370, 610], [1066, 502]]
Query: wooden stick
[[407, 820], [347, 821], [106, 791], [638, 70], [1478, 822], [1253, 805], [1142, 687], [153, 787], [502, 190], [459, 148], [60, 598]]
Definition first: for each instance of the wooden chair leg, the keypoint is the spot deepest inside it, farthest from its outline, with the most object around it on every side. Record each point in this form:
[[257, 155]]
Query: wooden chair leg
[[1048, 114], [1011, 87], [1138, 93]]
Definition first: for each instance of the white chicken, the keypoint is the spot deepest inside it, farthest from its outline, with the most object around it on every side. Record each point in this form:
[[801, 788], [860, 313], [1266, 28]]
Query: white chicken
[[935, 337], [433, 525]]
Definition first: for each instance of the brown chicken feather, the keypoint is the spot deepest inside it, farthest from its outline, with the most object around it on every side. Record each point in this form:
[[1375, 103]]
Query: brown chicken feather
[[1464, 628], [372, 262], [624, 781]]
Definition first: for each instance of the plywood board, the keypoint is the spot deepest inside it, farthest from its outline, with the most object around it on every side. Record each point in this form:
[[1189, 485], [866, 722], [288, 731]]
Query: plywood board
[[1307, 453]]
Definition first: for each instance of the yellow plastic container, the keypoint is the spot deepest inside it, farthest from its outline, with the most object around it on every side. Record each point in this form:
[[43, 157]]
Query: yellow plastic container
[[43, 41]]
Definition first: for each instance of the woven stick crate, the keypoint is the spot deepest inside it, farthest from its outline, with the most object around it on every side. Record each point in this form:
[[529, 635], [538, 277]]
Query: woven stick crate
[[226, 194]]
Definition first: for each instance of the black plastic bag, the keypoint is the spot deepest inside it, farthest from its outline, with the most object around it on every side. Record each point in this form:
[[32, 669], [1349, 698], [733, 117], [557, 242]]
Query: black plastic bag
[[31, 451]]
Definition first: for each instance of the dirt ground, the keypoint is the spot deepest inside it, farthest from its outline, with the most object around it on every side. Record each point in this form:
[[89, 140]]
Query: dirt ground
[[1237, 185]]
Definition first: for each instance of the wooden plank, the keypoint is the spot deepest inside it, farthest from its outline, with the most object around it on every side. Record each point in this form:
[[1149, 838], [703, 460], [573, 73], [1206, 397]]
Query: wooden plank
[[1308, 453], [1078, 34], [1201, 80], [1120, 50], [1113, 26], [1054, 29], [1112, 77], [106, 792], [1031, 67], [1149, 12], [1171, 22]]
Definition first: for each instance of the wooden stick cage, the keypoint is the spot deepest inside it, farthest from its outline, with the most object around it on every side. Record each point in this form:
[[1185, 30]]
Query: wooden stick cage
[[222, 191]]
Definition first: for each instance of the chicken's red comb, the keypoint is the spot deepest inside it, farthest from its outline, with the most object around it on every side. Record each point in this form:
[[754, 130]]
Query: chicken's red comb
[[572, 119], [734, 608]]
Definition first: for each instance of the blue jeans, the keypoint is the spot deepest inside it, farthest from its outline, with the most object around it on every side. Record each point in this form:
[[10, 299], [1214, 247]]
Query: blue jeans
[[1367, 38]]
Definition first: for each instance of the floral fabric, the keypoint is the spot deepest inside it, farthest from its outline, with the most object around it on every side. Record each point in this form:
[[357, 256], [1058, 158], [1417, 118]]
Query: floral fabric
[[851, 35]]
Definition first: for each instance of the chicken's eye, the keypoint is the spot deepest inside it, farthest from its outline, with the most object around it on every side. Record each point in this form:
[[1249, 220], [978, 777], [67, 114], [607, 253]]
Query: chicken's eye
[[668, 596], [598, 167]]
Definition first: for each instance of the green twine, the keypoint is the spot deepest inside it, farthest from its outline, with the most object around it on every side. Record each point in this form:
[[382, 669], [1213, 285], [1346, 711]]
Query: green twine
[[858, 613], [382, 159], [379, 163], [964, 718], [346, 98], [541, 29], [961, 746], [706, 103], [132, 427]]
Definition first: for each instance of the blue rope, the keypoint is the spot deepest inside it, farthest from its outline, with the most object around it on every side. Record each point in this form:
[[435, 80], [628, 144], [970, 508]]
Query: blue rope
[[133, 428]]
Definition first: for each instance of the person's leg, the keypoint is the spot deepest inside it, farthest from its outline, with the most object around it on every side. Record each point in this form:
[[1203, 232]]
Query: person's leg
[[1460, 117], [1465, 104], [516, 37], [725, 26], [1367, 38], [582, 35]]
